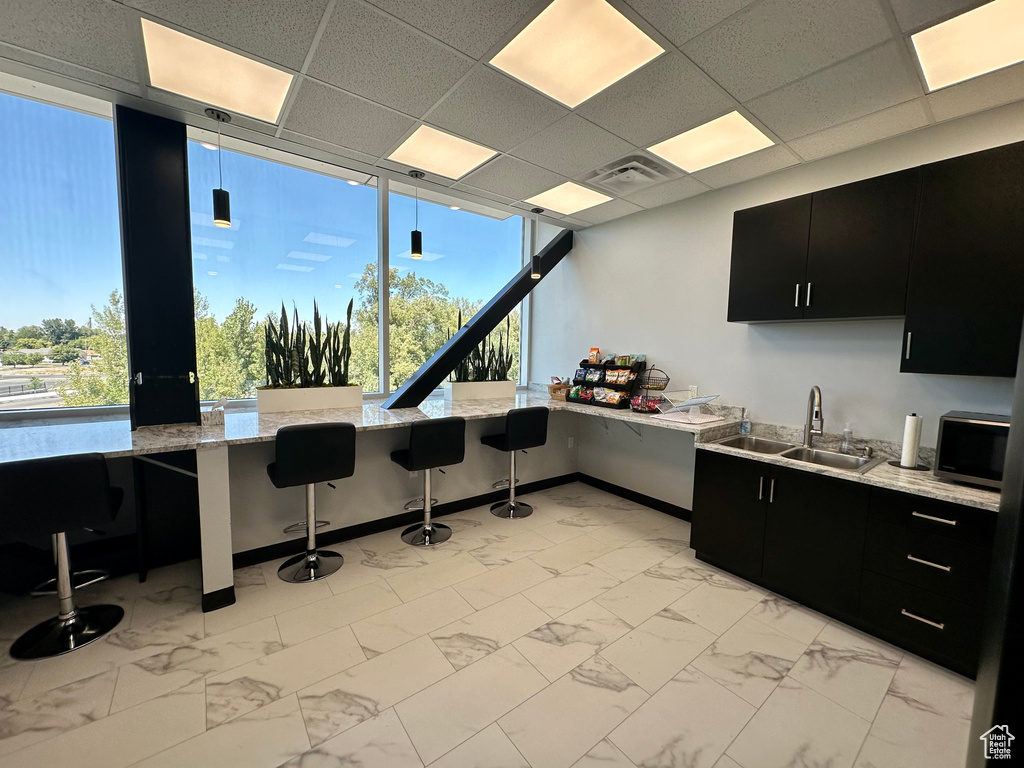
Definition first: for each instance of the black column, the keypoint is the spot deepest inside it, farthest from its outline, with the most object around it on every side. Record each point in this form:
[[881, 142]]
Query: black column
[[156, 254]]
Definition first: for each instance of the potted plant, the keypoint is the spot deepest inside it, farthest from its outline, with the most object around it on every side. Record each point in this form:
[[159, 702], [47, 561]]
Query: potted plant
[[307, 365], [483, 374]]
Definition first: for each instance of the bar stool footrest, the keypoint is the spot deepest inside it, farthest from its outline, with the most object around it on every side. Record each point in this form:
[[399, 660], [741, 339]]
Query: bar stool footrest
[[45, 590], [416, 505], [502, 484], [297, 527]]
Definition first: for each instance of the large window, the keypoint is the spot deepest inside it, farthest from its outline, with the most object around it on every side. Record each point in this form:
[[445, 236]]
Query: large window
[[62, 337], [297, 237], [469, 253]]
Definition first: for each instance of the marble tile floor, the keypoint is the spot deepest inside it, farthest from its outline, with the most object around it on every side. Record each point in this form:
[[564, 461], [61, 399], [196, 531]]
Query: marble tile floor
[[586, 635]]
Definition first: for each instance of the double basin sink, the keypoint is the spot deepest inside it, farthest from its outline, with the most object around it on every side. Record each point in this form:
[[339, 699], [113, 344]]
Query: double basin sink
[[817, 456]]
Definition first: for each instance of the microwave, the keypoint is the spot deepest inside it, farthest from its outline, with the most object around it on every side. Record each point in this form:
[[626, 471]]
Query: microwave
[[972, 448]]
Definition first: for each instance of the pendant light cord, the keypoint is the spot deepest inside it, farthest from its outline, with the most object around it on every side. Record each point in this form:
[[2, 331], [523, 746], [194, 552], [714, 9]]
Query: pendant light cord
[[417, 188], [220, 164]]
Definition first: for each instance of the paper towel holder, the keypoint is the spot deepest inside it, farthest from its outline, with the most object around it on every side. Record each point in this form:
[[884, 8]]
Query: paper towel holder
[[918, 468]]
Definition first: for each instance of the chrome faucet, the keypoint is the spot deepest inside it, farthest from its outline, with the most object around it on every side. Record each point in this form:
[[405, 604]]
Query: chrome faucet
[[815, 424]]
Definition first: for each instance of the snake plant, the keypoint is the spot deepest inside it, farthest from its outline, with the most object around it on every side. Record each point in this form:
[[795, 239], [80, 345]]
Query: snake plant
[[298, 354]]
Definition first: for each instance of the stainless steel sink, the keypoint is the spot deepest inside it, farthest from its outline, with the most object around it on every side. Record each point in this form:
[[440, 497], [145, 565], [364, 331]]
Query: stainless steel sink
[[756, 444], [831, 459]]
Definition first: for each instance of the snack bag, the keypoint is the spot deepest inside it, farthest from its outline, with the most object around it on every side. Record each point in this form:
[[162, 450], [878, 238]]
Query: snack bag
[[595, 354], [581, 374]]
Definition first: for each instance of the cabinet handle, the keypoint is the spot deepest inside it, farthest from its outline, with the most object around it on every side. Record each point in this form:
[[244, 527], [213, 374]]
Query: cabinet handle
[[929, 622], [760, 489], [808, 295], [933, 519], [796, 296], [910, 336], [771, 491], [946, 568]]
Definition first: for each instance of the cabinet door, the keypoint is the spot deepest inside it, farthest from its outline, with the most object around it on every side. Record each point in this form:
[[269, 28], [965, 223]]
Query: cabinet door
[[769, 261], [727, 524], [859, 254], [965, 300], [814, 539]]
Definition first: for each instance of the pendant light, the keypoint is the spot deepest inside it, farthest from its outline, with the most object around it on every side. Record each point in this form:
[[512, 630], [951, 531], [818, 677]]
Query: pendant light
[[535, 260], [416, 244], [221, 198]]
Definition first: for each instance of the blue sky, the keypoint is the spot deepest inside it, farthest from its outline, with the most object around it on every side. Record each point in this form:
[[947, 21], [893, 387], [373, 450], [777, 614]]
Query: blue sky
[[295, 235]]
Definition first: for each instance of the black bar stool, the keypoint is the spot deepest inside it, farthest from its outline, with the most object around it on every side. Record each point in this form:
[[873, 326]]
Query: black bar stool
[[524, 428], [52, 496], [306, 454], [433, 443]]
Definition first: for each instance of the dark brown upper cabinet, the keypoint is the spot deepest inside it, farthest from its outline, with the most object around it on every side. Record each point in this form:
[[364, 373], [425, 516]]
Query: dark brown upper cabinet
[[858, 258], [769, 261], [841, 253], [965, 302]]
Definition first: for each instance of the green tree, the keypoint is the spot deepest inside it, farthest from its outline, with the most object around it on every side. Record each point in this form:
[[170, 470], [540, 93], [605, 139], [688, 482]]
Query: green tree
[[29, 332], [63, 354], [57, 331], [33, 358], [28, 342], [106, 381], [34, 383], [245, 336], [14, 359], [7, 337], [219, 372]]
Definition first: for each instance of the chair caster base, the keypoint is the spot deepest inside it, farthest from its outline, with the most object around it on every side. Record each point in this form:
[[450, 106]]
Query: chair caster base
[[420, 536], [310, 566], [511, 510], [55, 636]]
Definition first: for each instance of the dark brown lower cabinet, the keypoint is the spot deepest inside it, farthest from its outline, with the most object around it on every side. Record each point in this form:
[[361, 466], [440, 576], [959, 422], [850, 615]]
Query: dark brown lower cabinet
[[814, 540], [911, 570]]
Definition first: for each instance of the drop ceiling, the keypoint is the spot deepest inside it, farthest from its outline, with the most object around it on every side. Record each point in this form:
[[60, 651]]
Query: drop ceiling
[[817, 77]]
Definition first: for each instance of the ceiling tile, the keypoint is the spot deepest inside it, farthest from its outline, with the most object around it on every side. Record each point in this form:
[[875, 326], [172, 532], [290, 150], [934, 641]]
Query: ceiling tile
[[666, 97], [512, 178], [669, 192], [73, 71], [472, 26], [863, 130], [680, 21], [860, 85], [747, 167], [913, 15], [91, 33], [365, 52], [613, 209], [778, 41], [573, 146], [489, 195], [985, 92], [341, 118], [244, 24], [327, 146], [495, 110]]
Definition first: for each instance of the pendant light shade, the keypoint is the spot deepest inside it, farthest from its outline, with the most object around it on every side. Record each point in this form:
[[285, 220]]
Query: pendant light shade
[[416, 240], [221, 198], [221, 208], [535, 264]]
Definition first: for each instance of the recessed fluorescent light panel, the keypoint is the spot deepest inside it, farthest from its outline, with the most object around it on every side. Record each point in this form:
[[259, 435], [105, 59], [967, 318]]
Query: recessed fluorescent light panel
[[567, 198], [211, 75], [726, 138], [575, 49], [977, 42], [438, 152]]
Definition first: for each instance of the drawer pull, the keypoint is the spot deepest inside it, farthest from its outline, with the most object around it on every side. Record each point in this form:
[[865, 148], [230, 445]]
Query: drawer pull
[[760, 490], [934, 519], [946, 568], [930, 623], [771, 491]]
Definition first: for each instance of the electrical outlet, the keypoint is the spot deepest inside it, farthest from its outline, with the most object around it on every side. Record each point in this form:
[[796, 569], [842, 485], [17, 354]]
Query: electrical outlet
[[572, 442]]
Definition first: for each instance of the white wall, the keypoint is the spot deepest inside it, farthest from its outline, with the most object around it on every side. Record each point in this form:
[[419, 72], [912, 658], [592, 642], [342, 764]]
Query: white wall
[[657, 282]]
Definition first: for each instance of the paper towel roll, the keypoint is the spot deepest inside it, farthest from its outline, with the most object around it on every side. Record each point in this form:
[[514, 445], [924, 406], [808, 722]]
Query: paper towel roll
[[911, 441]]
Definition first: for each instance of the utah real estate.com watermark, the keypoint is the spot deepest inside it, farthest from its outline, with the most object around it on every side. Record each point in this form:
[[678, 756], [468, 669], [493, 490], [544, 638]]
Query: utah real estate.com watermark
[[996, 742]]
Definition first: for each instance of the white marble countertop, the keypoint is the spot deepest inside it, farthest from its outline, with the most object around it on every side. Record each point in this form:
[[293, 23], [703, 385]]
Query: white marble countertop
[[882, 476], [113, 437]]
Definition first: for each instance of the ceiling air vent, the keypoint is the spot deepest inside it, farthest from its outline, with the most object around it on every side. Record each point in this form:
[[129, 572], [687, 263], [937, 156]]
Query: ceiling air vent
[[630, 174]]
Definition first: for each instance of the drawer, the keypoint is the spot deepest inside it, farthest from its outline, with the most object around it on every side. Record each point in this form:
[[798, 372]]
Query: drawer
[[966, 524], [927, 560], [923, 622]]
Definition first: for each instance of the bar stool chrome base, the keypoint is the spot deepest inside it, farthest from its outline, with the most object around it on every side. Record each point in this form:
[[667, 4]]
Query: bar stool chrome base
[[57, 636], [310, 566], [511, 510], [421, 535]]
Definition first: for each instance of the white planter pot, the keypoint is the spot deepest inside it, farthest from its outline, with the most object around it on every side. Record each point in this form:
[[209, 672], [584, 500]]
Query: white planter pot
[[479, 390], [308, 399]]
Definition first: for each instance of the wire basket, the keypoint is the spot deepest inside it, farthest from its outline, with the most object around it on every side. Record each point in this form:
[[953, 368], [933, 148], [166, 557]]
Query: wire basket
[[653, 379], [645, 403]]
